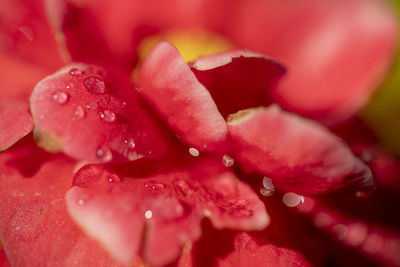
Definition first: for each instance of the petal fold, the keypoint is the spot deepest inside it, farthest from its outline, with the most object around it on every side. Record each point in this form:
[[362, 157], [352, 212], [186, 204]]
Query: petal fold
[[297, 154]]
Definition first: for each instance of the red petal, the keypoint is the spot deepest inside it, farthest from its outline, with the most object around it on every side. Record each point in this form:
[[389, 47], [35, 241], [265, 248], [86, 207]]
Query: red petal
[[25, 33], [298, 154], [370, 239], [238, 79], [249, 252], [169, 84], [17, 77], [155, 215], [15, 121], [34, 225], [93, 116], [336, 51]]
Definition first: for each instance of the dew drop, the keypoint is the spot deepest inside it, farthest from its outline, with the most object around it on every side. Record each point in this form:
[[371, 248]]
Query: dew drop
[[104, 154], [81, 202], [79, 112], [107, 116], [194, 152], [60, 97], [155, 186], [130, 143], [266, 192], [75, 72], [227, 161], [292, 199], [113, 178], [94, 85], [92, 105], [148, 214], [267, 183]]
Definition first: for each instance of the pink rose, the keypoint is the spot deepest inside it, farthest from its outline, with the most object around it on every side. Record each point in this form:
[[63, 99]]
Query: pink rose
[[116, 157]]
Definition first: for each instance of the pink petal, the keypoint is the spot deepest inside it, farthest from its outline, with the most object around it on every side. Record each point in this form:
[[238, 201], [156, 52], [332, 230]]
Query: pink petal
[[336, 51], [94, 116], [153, 216], [378, 243], [238, 79], [26, 34], [34, 225], [171, 87], [298, 154], [15, 121]]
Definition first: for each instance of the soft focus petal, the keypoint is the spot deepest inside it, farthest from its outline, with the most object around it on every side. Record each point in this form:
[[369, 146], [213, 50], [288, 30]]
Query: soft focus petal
[[378, 243], [298, 154], [15, 121], [25, 33], [336, 52], [154, 213], [238, 79], [168, 83], [92, 115], [18, 77], [34, 225]]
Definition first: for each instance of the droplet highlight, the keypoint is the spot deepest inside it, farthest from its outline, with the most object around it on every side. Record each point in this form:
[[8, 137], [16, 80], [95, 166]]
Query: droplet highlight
[[268, 188], [292, 199], [227, 161], [94, 85], [75, 72], [194, 152], [155, 186], [107, 116], [148, 214], [103, 154], [79, 112], [60, 97]]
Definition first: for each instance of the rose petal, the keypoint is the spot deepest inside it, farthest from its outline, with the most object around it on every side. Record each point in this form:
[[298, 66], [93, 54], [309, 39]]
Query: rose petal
[[93, 116], [169, 84], [370, 239], [34, 225], [25, 33], [15, 121], [335, 57], [298, 154], [238, 79], [17, 77], [155, 215]]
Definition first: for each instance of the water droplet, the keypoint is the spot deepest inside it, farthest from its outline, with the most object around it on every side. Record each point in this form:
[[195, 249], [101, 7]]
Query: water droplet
[[148, 214], [292, 199], [81, 202], [112, 178], [194, 152], [79, 112], [155, 186], [60, 97], [27, 32], [267, 183], [356, 234], [94, 85], [107, 116], [266, 192], [75, 72], [227, 161], [130, 143], [104, 154], [340, 231], [92, 105]]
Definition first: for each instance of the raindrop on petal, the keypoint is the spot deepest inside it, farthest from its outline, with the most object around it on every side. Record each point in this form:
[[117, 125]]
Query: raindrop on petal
[[292, 199], [79, 112], [227, 161], [266, 192], [94, 85], [60, 97], [267, 183], [104, 154], [107, 116], [75, 72], [148, 214], [155, 186], [194, 152]]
